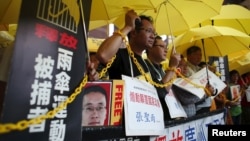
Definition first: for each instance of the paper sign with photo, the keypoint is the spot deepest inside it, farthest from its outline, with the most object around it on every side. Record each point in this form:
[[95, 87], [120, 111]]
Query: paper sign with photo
[[235, 91], [200, 78], [102, 103], [96, 103]]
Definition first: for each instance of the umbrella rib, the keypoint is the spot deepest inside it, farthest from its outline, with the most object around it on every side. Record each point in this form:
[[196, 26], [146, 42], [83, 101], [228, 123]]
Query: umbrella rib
[[5, 10], [216, 45], [234, 37], [240, 42], [213, 22], [211, 8], [241, 25], [185, 21]]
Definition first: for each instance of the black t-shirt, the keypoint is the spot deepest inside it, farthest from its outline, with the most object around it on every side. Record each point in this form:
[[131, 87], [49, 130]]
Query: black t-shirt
[[121, 65]]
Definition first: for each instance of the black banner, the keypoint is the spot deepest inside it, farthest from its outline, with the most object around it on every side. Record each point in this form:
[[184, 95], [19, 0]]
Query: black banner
[[222, 67], [48, 64]]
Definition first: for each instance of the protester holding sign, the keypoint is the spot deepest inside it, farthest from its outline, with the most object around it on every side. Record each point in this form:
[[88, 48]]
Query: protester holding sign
[[187, 100], [141, 35], [234, 95], [155, 56], [194, 57]]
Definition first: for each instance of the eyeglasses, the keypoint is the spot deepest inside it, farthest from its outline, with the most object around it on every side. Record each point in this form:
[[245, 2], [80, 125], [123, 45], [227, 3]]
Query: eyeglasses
[[91, 108], [149, 30], [161, 46]]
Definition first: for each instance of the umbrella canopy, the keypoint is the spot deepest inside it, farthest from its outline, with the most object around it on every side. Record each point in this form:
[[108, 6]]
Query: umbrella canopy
[[218, 41], [109, 9], [237, 55], [173, 17], [232, 15], [9, 11], [234, 65], [94, 43], [9, 14], [244, 60]]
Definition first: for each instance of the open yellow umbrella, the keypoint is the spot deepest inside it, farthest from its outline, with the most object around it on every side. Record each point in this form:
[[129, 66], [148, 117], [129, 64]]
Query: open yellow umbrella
[[9, 14], [235, 16], [234, 65], [94, 43], [110, 9], [243, 69], [237, 55], [213, 40], [9, 11], [173, 17], [244, 60]]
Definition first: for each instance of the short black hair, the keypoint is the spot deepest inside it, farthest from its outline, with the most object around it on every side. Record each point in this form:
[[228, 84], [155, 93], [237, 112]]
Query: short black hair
[[144, 17], [232, 72], [94, 88], [193, 49], [138, 26]]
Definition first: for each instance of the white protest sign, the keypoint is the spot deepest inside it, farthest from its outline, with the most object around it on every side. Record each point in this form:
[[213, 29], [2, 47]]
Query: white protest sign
[[200, 78], [235, 91], [142, 108], [175, 108]]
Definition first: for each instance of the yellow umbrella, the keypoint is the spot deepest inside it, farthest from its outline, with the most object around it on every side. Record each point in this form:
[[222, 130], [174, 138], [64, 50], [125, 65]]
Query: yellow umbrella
[[240, 60], [173, 17], [98, 23], [94, 43], [236, 55], [234, 65], [244, 60], [9, 14], [243, 69], [9, 11], [110, 9], [232, 15], [218, 41]]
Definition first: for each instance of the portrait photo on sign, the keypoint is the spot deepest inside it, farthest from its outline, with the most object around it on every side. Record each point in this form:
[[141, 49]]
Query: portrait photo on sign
[[96, 103]]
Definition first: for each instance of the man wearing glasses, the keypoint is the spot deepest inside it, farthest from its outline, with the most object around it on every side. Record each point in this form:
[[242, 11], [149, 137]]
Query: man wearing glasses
[[94, 106], [140, 37]]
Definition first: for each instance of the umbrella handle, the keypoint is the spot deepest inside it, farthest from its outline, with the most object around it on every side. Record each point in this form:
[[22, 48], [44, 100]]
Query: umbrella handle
[[173, 51], [137, 23]]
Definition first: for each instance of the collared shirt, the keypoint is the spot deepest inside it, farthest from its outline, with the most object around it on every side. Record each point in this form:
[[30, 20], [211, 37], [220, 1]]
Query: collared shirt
[[192, 69]]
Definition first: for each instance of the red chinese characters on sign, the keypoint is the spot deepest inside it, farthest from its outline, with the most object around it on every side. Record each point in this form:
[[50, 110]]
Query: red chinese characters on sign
[[177, 136], [141, 98], [161, 138], [68, 41], [43, 31], [47, 32]]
